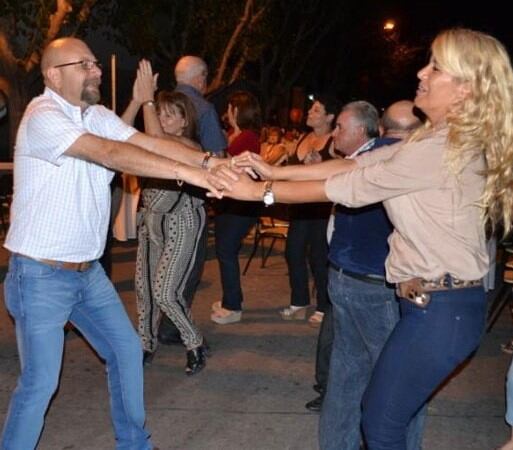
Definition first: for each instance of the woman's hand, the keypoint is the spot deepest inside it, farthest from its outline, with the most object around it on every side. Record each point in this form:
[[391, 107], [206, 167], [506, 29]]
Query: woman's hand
[[145, 83], [216, 181], [253, 161], [241, 186]]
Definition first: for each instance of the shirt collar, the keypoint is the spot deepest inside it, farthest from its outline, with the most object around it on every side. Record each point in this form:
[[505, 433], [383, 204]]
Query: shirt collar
[[362, 149], [70, 109], [187, 88]]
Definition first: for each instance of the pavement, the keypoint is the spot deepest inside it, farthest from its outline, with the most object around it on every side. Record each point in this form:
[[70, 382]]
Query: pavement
[[252, 393]]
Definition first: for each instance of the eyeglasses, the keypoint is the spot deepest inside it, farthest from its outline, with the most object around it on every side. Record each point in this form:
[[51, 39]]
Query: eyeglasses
[[85, 64]]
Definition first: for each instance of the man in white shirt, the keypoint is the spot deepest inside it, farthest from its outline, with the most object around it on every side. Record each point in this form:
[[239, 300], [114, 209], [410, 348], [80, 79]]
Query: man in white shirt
[[65, 148]]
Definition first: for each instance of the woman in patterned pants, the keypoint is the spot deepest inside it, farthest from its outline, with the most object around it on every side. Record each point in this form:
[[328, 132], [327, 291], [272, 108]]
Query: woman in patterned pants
[[171, 231]]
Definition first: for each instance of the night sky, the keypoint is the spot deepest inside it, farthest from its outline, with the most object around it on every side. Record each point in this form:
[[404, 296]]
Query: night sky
[[417, 23]]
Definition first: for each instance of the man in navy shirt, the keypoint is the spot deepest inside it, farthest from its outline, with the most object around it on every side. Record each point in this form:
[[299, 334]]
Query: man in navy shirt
[[365, 310]]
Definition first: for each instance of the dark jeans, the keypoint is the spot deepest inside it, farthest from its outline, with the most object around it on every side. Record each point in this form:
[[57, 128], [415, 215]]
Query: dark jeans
[[364, 315], [324, 345], [306, 240], [229, 232], [422, 351]]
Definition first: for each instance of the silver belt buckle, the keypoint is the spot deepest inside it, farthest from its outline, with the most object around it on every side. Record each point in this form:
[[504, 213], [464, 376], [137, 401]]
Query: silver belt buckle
[[420, 300]]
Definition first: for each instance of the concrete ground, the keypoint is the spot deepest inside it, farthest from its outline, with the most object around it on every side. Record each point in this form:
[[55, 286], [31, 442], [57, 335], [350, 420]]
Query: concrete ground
[[252, 393]]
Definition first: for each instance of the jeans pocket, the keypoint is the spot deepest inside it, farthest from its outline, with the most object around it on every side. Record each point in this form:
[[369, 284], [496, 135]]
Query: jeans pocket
[[12, 292], [36, 269]]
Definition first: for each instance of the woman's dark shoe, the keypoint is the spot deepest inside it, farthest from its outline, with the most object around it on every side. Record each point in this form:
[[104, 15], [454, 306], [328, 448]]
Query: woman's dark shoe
[[147, 357], [196, 359]]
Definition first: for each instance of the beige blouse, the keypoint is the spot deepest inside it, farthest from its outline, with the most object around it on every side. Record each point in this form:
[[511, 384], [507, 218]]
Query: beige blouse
[[437, 223]]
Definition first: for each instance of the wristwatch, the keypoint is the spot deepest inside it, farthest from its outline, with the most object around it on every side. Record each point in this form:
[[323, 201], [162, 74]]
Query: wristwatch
[[268, 197]]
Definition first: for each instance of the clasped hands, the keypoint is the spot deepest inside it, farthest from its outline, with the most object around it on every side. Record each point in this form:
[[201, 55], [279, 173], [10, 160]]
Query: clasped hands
[[236, 177]]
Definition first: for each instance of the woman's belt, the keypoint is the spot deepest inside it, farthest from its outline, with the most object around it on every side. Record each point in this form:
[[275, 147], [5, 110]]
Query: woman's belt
[[417, 290]]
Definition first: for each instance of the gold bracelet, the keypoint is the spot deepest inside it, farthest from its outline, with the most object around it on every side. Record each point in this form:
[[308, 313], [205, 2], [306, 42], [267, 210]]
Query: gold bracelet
[[149, 103], [179, 182]]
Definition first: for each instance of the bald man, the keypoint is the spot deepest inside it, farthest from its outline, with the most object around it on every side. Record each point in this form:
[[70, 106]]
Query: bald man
[[191, 77], [66, 149], [399, 120]]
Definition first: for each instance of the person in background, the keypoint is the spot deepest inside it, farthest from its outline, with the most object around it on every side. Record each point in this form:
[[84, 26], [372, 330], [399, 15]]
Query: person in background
[[440, 187], [66, 149], [191, 74], [306, 238], [234, 219], [273, 150], [172, 223]]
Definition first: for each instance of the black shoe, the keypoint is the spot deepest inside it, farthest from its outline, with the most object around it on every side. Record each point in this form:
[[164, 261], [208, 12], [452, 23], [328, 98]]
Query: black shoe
[[196, 359], [318, 388], [315, 405], [148, 357]]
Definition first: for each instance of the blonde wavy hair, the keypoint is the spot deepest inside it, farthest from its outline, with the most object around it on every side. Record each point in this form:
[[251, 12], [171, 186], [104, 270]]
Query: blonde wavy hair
[[483, 122]]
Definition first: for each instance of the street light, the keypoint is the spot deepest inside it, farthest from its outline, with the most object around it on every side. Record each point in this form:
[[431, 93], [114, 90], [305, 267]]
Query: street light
[[390, 31], [389, 26]]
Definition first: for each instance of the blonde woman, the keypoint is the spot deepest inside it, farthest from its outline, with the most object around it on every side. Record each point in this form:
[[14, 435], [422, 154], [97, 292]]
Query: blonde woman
[[439, 190]]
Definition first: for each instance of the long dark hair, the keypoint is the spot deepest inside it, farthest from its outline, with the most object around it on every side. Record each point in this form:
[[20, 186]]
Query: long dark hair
[[185, 108]]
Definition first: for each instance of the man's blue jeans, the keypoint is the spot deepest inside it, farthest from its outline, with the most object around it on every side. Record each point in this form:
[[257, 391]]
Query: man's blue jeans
[[424, 348], [41, 299], [364, 315]]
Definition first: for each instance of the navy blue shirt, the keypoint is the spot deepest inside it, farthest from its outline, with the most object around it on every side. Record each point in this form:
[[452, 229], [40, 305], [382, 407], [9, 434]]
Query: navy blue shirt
[[211, 136], [359, 241]]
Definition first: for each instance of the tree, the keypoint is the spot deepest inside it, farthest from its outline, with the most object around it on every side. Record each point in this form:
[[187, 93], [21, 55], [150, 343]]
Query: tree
[[25, 28], [270, 42]]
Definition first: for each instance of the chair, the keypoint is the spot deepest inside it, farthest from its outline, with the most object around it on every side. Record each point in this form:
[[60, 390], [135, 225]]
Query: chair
[[267, 227]]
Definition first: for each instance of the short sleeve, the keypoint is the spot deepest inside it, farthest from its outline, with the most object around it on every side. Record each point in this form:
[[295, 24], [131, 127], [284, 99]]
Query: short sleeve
[[105, 123], [51, 133]]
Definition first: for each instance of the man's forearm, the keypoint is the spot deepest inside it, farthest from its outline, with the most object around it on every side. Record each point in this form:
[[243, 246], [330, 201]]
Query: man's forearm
[[169, 148], [320, 171]]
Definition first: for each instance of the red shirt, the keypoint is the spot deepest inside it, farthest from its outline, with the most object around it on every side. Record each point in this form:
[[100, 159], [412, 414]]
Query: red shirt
[[246, 140]]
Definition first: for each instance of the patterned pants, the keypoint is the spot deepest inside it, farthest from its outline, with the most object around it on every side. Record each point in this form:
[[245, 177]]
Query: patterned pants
[[166, 254]]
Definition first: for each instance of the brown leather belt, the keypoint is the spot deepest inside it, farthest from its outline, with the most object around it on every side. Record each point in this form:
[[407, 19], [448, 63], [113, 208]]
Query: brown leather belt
[[76, 267], [417, 290]]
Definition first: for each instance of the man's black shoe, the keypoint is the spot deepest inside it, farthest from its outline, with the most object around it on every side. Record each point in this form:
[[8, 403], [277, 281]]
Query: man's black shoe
[[318, 388], [147, 357], [315, 405]]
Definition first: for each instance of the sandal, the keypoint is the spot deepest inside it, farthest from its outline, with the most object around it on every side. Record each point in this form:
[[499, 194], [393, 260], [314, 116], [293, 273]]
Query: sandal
[[316, 318], [294, 313]]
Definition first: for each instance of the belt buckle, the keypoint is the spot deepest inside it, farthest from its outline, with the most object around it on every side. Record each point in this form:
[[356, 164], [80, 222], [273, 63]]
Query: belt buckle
[[83, 266], [419, 299]]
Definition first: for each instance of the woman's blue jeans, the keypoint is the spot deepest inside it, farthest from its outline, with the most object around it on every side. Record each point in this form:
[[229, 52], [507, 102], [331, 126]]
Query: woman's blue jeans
[[41, 299], [422, 351]]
